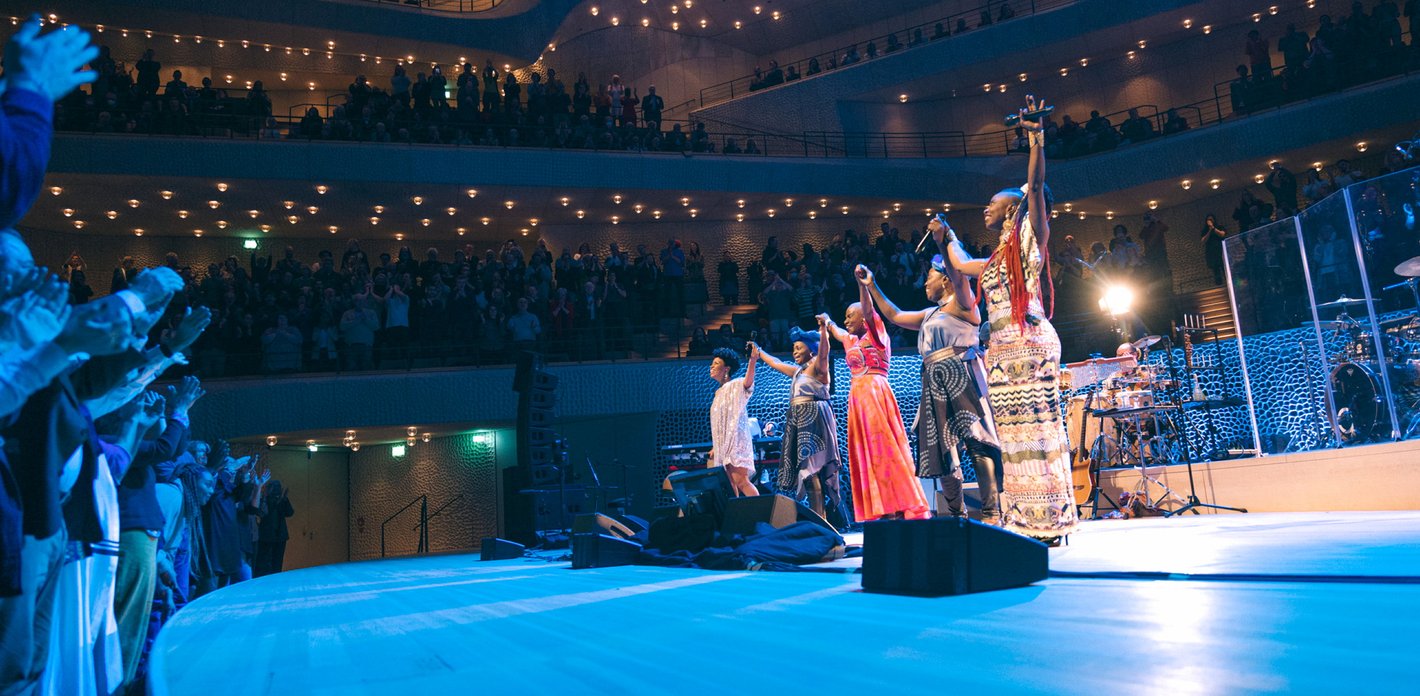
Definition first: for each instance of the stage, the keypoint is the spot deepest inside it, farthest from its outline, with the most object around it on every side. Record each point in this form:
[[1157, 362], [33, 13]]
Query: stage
[[1271, 602]]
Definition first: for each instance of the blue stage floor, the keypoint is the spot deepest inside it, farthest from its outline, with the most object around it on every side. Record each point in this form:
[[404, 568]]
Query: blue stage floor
[[452, 624]]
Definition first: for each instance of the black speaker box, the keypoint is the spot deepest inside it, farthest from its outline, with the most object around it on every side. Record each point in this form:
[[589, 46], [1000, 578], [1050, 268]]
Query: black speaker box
[[602, 551], [500, 550], [947, 556], [778, 511]]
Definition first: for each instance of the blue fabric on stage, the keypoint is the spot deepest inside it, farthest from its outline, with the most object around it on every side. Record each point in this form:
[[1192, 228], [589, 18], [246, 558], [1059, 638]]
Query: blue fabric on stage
[[797, 544]]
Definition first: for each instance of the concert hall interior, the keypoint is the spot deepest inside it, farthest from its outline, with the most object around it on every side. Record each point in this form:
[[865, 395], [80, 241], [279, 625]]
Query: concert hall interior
[[381, 346]]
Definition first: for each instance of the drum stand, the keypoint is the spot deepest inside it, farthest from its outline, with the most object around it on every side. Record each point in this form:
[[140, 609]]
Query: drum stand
[[1136, 451], [1193, 503], [1096, 491]]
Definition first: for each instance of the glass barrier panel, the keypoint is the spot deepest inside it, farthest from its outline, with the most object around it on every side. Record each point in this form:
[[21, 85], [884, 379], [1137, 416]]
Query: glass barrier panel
[[1383, 211], [1279, 370], [1346, 318]]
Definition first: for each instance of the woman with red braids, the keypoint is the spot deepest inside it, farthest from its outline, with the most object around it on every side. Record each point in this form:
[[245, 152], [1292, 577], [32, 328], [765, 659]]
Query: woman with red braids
[[1023, 354]]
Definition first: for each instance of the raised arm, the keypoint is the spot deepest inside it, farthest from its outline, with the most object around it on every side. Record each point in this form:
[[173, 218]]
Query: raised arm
[[783, 367], [907, 320], [749, 366], [1035, 177], [957, 256], [830, 328], [821, 361]]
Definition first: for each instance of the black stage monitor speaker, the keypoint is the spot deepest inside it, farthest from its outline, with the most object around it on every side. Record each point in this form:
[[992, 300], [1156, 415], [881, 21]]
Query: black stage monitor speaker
[[602, 551], [500, 550], [947, 556], [743, 514]]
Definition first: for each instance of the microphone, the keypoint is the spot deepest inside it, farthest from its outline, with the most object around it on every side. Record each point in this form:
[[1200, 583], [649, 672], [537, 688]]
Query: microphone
[[1032, 116], [928, 235]]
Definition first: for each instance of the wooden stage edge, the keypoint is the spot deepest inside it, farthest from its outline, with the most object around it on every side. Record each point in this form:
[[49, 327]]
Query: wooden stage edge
[[1365, 477]]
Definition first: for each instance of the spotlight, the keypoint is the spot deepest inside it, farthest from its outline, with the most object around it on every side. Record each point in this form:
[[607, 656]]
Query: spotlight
[[1117, 300]]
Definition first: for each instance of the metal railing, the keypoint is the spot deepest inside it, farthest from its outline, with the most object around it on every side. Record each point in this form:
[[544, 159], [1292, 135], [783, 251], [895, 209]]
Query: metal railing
[[444, 5], [227, 119], [915, 35], [422, 527]]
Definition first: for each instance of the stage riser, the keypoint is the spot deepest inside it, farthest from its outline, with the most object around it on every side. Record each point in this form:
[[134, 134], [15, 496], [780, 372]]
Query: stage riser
[[1370, 477]]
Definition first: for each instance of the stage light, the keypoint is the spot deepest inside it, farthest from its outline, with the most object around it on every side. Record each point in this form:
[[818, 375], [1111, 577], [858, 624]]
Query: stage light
[[1117, 300], [249, 244]]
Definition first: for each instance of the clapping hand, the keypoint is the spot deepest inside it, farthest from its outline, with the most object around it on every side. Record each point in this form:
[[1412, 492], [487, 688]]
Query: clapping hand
[[101, 328], [194, 322], [156, 286], [182, 396], [49, 65]]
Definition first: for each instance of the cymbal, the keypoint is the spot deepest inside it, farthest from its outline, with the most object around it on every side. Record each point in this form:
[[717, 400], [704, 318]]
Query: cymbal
[[1409, 269], [1403, 319], [1343, 301], [1147, 341]]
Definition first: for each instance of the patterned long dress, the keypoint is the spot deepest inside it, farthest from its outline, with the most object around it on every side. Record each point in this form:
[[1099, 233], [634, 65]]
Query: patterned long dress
[[1022, 367], [879, 458]]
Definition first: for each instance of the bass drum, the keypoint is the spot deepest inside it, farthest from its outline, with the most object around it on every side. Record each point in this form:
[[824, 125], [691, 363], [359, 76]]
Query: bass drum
[[1359, 411]]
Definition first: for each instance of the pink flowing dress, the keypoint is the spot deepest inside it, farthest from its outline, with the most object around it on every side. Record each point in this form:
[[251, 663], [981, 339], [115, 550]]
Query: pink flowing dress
[[879, 457]]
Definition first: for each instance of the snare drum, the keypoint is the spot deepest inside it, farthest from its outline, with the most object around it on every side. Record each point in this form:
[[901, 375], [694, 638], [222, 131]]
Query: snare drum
[[1135, 398]]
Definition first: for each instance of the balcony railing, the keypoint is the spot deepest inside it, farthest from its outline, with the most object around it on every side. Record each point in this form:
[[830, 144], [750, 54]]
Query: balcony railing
[[444, 5], [913, 36]]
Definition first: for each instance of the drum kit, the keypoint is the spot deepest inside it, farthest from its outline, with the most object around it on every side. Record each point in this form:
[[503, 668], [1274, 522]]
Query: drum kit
[[1121, 415], [1362, 362]]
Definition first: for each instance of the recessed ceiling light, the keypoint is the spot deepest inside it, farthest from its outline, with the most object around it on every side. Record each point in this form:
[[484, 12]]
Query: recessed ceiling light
[[472, 193], [133, 203], [312, 209], [418, 200], [111, 214], [451, 211], [288, 204], [509, 204], [182, 214], [214, 204], [167, 195], [322, 189], [79, 224], [221, 224], [68, 212]]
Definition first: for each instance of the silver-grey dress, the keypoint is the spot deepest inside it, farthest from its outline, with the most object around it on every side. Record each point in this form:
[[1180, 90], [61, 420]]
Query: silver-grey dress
[[810, 433], [954, 406]]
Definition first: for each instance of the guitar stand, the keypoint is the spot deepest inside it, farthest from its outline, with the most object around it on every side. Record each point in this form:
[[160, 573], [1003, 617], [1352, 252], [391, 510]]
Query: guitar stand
[[1096, 491]]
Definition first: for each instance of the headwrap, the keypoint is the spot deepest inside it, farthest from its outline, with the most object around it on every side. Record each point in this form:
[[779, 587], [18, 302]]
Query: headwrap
[[808, 338]]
